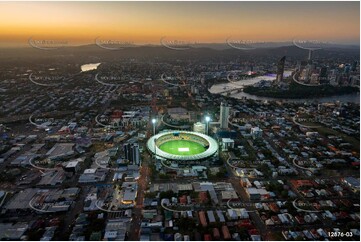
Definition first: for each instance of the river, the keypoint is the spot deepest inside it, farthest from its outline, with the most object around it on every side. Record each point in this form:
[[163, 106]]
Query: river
[[223, 88], [89, 67]]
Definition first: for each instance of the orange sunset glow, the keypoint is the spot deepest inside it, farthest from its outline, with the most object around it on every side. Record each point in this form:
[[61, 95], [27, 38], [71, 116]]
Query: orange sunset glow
[[147, 22]]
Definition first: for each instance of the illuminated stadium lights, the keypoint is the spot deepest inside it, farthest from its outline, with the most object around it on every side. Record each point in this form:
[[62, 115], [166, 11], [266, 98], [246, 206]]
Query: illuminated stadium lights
[[207, 123], [182, 145], [153, 122]]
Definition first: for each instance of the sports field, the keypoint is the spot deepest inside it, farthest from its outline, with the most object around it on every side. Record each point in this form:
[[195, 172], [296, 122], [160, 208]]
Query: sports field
[[182, 147]]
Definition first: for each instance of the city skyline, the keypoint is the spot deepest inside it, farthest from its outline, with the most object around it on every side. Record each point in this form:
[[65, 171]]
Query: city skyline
[[79, 23]]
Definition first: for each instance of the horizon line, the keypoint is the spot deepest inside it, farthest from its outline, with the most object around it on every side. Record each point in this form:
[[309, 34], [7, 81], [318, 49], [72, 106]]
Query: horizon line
[[131, 44]]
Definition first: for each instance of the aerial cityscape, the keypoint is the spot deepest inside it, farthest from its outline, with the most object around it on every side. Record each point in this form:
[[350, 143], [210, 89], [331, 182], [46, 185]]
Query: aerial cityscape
[[180, 121]]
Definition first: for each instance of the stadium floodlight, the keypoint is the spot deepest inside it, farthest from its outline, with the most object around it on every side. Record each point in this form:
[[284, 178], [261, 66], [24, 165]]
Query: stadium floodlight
[[153, 122], [207, 123], [195, 147]]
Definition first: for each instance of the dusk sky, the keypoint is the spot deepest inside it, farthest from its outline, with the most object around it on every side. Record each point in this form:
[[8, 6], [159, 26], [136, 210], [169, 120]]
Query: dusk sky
[[147, 22]]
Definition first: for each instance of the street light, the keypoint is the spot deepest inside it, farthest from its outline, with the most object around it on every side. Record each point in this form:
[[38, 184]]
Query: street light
[[153, 122], [207, 121]]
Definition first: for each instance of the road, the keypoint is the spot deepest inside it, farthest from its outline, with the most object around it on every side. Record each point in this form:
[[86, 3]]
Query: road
[[143, 180]]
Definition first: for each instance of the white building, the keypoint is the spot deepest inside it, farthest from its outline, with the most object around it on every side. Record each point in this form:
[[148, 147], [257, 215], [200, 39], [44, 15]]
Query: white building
[[224, 114], [227, 143], [199, 127], [256, 132], [73, 166], [129, 190]]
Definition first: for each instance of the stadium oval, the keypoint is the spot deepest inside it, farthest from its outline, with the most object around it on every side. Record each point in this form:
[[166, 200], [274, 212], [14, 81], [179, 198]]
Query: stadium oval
[[210, 145]]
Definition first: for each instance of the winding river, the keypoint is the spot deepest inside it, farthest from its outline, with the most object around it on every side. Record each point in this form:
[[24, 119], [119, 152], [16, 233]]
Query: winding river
[[223, 88]]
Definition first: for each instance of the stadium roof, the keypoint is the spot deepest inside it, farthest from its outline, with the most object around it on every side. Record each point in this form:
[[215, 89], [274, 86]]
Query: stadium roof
[[212, 149]]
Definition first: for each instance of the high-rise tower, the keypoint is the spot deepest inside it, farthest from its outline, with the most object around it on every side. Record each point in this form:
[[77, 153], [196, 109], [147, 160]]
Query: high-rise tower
[[224, 114], [280, 69]]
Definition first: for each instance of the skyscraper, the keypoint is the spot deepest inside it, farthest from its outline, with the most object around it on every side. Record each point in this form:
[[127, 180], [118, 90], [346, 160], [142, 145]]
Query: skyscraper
[[310, 56], [131, 153], [224, 114], [126, 148], [135, 154], [280, 69]]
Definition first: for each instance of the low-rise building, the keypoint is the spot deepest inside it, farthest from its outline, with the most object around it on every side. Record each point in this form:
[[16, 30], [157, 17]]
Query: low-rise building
[[256, 194], [61, 151], [129, 192], [93, 175], [227, 143]]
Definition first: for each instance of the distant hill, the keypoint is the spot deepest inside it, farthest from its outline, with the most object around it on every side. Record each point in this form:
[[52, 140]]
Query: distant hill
[[199, 51]]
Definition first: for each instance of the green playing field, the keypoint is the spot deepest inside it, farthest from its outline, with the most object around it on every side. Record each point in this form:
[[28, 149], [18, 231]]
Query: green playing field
[[182, 147]]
